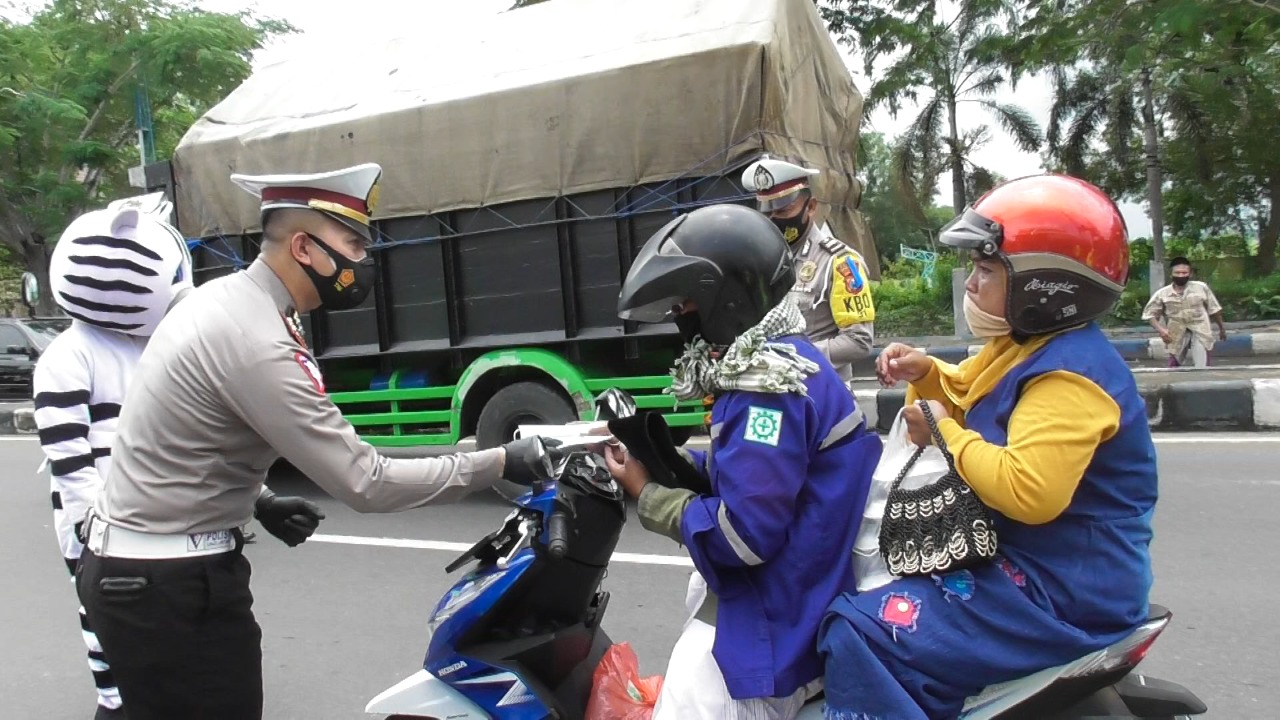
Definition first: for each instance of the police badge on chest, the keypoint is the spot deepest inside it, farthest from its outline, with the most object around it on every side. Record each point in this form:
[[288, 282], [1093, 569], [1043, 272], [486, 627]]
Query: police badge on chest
[[808, 270]]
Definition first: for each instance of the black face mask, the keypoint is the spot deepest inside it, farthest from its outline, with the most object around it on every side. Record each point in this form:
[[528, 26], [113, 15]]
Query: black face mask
[[689, 325], [350, 283], [793, 229], [1180, 281]]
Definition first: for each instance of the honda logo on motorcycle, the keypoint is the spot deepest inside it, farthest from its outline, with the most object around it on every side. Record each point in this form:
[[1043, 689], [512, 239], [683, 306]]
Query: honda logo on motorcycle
[[450, 669]]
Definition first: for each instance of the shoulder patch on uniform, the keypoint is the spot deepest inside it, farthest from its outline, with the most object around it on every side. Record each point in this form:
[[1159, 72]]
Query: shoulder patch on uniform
[[853, 279], [851, 301], [311, 369], [833, 245], [764, 425]]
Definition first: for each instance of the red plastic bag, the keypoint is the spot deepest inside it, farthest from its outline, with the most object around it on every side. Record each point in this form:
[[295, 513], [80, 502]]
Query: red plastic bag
[[617, 690]]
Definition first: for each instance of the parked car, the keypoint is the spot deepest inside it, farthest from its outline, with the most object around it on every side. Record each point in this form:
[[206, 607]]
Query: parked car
[[22, 340]]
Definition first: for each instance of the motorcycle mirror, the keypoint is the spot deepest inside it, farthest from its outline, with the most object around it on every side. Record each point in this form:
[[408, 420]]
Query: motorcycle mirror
[[614, 404]]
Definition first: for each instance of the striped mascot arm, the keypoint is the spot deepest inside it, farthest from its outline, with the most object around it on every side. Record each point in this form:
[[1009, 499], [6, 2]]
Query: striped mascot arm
[[61, 385]]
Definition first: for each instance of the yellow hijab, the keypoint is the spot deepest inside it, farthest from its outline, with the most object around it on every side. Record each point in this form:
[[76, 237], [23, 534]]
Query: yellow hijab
[[974, 378]]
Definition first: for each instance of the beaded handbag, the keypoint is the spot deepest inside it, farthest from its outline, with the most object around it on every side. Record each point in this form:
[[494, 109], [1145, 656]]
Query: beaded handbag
[[940, 527]]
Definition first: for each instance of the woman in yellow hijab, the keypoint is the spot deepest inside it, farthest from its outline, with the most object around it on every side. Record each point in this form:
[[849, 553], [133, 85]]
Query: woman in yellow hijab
[[1047, 427]]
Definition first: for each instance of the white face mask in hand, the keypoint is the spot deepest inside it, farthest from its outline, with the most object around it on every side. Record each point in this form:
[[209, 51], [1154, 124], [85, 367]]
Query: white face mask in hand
[[983, 324]]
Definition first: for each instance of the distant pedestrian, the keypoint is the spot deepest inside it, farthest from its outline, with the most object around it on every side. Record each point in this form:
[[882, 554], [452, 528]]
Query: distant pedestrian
[[1181, 312]]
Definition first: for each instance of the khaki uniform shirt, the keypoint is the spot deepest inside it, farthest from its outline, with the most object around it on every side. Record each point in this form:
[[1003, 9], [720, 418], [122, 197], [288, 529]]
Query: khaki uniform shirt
[[222, 391], [1183, 312], [833, 293]]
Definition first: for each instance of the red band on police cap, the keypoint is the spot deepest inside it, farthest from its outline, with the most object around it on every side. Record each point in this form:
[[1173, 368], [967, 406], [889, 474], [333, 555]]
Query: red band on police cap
[[305, 195]]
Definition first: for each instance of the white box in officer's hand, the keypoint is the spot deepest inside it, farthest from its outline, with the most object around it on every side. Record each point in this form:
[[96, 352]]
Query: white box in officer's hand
[[574, 434]]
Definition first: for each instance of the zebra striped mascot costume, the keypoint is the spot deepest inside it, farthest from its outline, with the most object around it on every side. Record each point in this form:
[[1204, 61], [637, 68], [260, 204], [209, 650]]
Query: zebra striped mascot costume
[[115, 272]]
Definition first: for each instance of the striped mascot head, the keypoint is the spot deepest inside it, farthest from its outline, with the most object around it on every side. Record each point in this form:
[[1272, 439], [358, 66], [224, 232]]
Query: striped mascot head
[[120, 268]]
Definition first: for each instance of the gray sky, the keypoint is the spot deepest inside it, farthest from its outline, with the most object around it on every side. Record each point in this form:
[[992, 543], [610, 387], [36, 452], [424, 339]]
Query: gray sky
[[346, 31]]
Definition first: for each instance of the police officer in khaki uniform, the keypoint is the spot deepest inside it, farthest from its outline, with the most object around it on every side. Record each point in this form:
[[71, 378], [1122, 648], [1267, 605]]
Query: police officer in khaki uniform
[[226, 386], [832, 287]]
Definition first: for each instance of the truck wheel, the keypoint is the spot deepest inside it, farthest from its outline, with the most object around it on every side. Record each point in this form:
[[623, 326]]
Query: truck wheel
[[523, 403]]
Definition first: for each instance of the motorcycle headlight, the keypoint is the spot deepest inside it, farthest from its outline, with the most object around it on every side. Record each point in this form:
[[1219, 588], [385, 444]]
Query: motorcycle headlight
[[460, 597]]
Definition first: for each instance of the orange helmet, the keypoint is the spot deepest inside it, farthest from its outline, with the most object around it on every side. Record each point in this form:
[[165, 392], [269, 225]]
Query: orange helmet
[[1063, 243]]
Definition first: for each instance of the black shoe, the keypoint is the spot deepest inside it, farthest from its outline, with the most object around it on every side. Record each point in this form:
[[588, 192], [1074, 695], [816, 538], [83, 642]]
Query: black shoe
[[249, 536], [106, 713]]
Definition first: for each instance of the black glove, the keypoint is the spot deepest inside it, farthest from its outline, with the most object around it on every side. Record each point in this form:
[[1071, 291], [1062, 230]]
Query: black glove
[[648, 439], [292, 519], [531, 459]]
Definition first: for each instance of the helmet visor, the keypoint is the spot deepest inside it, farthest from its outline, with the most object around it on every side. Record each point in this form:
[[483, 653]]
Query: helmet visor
[[662, 278], [972, 231]]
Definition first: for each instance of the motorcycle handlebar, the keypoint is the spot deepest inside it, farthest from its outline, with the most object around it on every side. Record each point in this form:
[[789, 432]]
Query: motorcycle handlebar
[[558, 534]]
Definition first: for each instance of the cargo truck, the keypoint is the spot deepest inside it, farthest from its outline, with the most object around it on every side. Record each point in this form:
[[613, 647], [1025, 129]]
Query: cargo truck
[[525, 161]]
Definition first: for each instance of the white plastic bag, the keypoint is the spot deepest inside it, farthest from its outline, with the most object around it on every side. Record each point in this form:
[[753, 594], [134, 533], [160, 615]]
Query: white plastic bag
[[868, 565]]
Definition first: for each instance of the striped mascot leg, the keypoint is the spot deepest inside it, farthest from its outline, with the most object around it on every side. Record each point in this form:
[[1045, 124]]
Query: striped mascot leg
[[68, 539]]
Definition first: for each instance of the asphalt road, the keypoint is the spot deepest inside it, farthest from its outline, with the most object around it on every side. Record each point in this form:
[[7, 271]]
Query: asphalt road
[[343, 621]]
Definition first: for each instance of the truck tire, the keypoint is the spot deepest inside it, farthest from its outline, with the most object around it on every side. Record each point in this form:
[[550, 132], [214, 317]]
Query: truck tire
[[522, 403]]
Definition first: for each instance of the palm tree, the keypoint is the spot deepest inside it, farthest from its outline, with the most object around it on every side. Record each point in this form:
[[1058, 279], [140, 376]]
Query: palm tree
[[960, 62], [1104, 103], [1116, 91]]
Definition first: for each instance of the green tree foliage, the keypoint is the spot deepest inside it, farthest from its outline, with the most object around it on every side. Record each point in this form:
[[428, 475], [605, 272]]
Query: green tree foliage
[[1174, 102], [1181, 92], [70, 82], [943, 64], [888, 210], [882, 201], [1107, 87], [1223, 99]]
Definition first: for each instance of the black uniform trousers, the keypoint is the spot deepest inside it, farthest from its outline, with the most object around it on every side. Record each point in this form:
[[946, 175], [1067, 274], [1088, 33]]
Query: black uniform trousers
[[180, 633]]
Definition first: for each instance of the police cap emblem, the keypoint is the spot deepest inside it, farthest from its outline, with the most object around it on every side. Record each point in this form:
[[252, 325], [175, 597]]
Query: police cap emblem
[[763, 178]]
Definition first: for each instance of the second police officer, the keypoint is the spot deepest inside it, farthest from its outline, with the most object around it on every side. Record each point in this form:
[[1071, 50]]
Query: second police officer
[[832, 289]]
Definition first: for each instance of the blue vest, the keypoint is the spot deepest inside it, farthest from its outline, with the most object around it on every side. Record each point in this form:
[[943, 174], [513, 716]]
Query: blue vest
[[1091, 566], [797, 504]]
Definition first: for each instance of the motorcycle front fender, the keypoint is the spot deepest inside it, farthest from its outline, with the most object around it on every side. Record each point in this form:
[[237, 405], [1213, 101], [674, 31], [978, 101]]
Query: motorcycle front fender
[[425, 695]]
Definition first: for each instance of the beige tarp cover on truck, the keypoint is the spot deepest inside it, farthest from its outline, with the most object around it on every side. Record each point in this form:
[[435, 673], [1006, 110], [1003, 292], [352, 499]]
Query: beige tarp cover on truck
[[559, 98]]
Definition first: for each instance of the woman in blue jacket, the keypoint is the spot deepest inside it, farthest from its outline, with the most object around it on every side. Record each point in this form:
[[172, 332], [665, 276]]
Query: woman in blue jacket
[[1047, 427], [788, 469]]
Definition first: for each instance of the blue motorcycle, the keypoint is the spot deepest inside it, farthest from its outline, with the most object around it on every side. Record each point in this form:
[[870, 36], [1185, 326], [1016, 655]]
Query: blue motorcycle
[[519, 636]]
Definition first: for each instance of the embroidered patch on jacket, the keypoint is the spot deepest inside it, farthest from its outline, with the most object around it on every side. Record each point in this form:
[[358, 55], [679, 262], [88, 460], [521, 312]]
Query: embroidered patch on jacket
[[956, 584], [312, 371], [1018, 577], [900, 610], [763, 426], [853, 282]]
